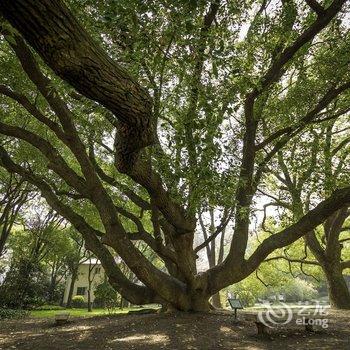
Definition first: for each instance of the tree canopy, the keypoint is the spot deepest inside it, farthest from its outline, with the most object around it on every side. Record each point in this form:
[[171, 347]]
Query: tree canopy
[[141, 116]]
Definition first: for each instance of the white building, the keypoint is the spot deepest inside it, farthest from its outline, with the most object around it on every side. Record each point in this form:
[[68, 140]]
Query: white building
[[81, 286]]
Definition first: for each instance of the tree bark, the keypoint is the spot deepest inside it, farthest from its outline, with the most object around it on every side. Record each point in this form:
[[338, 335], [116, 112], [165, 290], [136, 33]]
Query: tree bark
[[124, 303], [216, 301], [339, 294], [71, 288], [71, 51], [3, 239], [52, 287], [51, 29], [89, 300]]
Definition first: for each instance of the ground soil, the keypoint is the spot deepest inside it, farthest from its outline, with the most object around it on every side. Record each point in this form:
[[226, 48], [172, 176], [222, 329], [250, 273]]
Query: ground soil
[[170, 331]]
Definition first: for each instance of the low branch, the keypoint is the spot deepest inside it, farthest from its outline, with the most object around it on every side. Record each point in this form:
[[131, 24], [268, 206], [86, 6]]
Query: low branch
[[56, 161], [307, 223], [131, 291], [345, 264]]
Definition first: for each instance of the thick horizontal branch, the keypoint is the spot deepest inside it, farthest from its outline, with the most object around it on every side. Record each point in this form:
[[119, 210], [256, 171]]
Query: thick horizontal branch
[[141, 174], [51, 29], [56, 162], [307, 223], [345, 264], [221, 275]]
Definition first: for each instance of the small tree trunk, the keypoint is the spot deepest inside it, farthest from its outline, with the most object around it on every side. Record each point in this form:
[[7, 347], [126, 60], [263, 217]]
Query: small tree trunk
[[71, 288], [52, 288], [89, 301], [339, 294], [2, 244]]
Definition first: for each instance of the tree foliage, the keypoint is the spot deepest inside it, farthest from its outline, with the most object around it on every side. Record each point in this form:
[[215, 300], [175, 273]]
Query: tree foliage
[[143, 115]]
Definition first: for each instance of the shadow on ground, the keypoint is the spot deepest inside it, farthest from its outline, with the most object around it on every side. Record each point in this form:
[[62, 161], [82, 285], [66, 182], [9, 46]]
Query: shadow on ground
[[173, 331]]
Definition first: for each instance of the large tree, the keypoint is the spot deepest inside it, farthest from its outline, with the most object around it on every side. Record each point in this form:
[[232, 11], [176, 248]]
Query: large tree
[[205, 138]]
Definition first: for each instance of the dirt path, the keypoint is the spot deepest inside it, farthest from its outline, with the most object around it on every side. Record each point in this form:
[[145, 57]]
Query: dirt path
[[175, 331]]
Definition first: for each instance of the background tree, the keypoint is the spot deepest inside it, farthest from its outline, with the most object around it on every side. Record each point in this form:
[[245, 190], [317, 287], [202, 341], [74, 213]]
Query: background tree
[[215, 254], [91, 276], [14, 194], [73, 257], [37, 264], [312, 168]]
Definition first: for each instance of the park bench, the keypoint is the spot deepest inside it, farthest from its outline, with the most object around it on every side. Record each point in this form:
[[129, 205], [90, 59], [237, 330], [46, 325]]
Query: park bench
[[235, 305], [61, 318], [262, 328], [143, 311]]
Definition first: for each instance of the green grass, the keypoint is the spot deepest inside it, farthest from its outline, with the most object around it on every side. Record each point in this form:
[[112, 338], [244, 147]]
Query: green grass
[[77, 312]]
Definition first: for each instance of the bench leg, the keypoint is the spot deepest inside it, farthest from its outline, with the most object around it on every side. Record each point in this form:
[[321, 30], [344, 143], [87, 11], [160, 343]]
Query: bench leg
[[262, 329], [61, 322], [308, 327]]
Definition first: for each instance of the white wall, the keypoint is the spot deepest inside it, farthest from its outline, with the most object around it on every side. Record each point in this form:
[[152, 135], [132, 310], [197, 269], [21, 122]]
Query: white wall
[[82, 281]]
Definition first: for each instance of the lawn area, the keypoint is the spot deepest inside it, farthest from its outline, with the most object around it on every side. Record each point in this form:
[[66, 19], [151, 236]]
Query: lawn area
[[78, 312]]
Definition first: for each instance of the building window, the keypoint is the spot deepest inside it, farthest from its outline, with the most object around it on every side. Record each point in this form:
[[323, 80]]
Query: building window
[[81, 290], [98, 270]]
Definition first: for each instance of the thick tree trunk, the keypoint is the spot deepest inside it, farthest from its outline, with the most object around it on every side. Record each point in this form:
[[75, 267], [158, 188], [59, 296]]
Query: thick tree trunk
[[198, 303], [71, 288], [339, 294]]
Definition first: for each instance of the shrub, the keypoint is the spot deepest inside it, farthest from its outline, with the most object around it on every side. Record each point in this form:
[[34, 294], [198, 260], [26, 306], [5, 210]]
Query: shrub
[[246, 297], [24, 286], [106, 296], [299, 290], [12, 313], [78, 301]]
